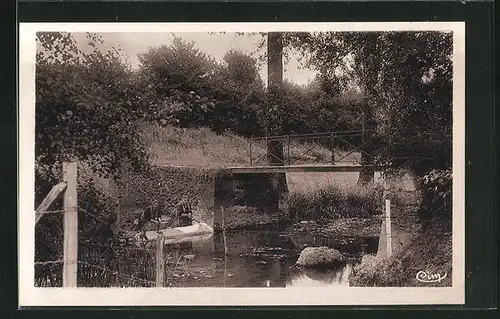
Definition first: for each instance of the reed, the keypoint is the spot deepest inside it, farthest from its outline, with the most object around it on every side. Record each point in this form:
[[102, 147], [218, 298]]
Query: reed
[[333, 202]]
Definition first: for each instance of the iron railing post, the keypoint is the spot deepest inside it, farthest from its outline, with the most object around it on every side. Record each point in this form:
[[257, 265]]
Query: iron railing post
[[363, 129], [251, 162], [332, 145], [288, 148]]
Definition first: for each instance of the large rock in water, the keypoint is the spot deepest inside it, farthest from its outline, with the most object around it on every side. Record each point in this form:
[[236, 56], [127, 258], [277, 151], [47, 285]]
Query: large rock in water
[[320, 257]]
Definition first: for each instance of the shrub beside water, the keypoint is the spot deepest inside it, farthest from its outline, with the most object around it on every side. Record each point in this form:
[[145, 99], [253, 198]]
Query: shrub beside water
[[333, 202]]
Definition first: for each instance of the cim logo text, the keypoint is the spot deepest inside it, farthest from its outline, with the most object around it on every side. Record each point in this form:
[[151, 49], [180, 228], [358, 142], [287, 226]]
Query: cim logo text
[[425, 276]]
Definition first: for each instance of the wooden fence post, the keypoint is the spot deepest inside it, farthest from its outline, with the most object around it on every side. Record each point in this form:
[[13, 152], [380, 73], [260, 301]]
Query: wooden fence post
[[47, 201], [160, 263], [70, 225], [388, 227]]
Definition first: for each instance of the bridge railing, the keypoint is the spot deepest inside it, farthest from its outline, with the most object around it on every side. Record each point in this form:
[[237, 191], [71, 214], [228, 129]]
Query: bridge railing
[[329, 140]]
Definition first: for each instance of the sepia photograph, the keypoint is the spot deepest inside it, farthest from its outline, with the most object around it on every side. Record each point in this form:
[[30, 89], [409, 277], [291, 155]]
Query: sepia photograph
[[241, 164]]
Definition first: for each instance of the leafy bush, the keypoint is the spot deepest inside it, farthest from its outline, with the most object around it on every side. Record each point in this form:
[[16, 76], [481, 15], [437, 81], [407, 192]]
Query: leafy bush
[[437, 196], [96, 213], [86, 105]]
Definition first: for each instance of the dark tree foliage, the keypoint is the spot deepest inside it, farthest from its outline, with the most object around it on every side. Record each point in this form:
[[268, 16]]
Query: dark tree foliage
[[406, 83], [240, 94], [180, 85], [185, 87], [85, 105], [176, 84], [86, 111]]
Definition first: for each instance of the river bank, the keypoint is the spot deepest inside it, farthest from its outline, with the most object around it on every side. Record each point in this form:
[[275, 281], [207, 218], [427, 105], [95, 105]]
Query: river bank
[[430, 253], [247, 218], [364, 227]]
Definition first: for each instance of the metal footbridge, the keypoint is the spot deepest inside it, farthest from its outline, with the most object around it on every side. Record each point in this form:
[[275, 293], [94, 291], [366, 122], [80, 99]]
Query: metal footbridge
[[352, 141]]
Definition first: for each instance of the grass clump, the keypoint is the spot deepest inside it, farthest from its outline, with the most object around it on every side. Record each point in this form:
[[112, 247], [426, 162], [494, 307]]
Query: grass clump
[[333, 202]]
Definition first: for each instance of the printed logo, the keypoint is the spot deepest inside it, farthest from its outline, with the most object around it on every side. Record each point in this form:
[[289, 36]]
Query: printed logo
[[425, 276]]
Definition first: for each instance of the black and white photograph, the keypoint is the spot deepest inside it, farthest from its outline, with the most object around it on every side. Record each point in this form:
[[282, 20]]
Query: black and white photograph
[[241, 164]]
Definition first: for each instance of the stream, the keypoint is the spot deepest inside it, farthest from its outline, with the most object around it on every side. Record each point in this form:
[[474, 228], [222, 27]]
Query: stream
[[259, 258]]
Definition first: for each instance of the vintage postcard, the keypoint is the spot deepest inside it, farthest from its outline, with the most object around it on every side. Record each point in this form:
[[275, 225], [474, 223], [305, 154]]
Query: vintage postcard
[[237, 164]]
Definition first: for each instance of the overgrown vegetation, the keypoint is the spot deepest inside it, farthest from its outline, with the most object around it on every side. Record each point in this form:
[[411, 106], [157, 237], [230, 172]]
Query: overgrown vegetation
[[86, 111], [437, 197], [333, 202]]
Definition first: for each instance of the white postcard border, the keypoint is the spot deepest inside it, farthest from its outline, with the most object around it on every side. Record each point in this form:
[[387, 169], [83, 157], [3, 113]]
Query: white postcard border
[[34, 296]]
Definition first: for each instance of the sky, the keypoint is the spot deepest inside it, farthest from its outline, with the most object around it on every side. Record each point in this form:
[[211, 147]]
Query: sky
[[215, 45]]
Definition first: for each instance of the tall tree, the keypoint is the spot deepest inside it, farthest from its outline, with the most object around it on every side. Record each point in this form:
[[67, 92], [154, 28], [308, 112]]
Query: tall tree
[[239, 91], [369, 74], [241, 70], [275, 106], [275, 91], [176, 83]]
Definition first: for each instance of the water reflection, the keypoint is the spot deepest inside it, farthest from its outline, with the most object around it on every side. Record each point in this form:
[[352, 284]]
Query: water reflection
[[314, 278], [257, 259]]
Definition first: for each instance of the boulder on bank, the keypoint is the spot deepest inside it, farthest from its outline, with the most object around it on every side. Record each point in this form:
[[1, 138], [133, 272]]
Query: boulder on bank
[[320, 257]]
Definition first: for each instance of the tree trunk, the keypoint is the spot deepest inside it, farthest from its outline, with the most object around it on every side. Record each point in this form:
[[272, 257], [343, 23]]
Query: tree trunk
[[367, 174], [275, 152], [275, 80]]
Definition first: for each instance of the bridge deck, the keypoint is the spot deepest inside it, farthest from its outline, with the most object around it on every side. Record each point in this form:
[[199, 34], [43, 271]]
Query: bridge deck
[[296, 168]]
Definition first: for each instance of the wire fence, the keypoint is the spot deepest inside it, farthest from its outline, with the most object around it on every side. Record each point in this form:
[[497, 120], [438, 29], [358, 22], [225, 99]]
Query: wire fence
[[101, 264]]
